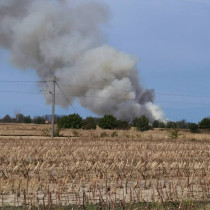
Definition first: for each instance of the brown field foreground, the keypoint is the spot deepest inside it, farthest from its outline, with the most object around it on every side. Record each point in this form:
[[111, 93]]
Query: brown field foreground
[[106, 167]]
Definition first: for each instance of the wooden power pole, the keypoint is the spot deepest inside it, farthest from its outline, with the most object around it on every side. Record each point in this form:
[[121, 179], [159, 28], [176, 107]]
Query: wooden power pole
[[53, 108]]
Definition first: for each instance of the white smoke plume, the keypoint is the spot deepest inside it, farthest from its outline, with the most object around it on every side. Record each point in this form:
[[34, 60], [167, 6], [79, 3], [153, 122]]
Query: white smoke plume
[[64, 38]]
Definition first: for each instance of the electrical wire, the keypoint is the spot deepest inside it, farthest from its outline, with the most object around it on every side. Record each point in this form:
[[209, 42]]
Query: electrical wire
[[182, 95], [18, 81], [123, 90], [66, 97], [22, 92], [45, 92], [95, 88], [180, 102], [99, 97], [98, 88]]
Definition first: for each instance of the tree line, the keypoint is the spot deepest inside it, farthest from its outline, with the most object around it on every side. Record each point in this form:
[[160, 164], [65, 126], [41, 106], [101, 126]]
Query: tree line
[[20, 118], [75, 121]]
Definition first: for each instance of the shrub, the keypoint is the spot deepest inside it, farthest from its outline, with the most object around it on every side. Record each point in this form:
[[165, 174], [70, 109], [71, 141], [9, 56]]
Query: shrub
[[142, 123], [75, 133], [182, 124], [108, 122], [162, 125], [114, 134], [70, 121], [155, 124], [123, 125], [19, 118], [39, 120], [158, 124], [7, 119], [104, 134], [27, 119], [174, 134], [193, 128], [89, 123], [204, 123], [171, 124], [57, 132]]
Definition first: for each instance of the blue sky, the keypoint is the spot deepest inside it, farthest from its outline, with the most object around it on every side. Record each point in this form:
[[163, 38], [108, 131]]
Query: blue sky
[[171, 40]]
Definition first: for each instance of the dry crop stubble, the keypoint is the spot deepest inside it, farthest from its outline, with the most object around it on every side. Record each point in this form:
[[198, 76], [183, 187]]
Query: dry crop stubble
[[41, 171]]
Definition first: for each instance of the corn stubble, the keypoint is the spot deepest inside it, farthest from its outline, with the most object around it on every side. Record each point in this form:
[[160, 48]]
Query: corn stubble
[[40, 171]]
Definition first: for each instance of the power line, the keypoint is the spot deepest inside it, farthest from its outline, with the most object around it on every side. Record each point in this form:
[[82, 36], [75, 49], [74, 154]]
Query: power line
[[23, 87], [66, 97], [180, 102], [164, 101], [25, 81], [98, 88], [117, 98], [22, 92], [99, 97], [123, 90], [184, 95]]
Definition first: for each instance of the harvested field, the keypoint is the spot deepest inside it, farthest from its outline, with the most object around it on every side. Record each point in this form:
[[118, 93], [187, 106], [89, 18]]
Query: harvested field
[[127, 167]]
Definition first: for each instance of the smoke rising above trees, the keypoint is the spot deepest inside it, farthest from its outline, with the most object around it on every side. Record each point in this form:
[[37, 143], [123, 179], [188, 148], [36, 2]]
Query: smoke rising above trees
[[63, 39]]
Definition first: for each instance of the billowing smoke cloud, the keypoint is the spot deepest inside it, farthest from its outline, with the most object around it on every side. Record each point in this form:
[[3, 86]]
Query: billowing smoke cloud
[[64, 38]]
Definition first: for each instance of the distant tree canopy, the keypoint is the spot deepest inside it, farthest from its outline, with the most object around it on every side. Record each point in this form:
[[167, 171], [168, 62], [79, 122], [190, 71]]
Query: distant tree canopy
[[193, 127], [89, 123], [158, 124], [27, 119], [204, 123], [70, 121], [161, 125], [39, 120], [122, 125], [182, 124], [19, 118], [142, 123], [75, 121], [155, 124], [108, 122], [7, 119], [171, 124]]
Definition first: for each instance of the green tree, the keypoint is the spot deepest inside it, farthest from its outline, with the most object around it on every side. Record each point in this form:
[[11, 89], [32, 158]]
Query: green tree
[[108, 122], [182, 124], [142, 123], [155, 124], [171, 124], [204, 123], [27, 119], [19, 118], [7, 119], [193, 128], [161, 125], [39, 120], [158, 124], [70, 121], [89, 123], [123, 125]]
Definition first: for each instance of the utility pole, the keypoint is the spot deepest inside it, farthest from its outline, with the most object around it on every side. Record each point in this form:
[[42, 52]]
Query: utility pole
[[53, 108]]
